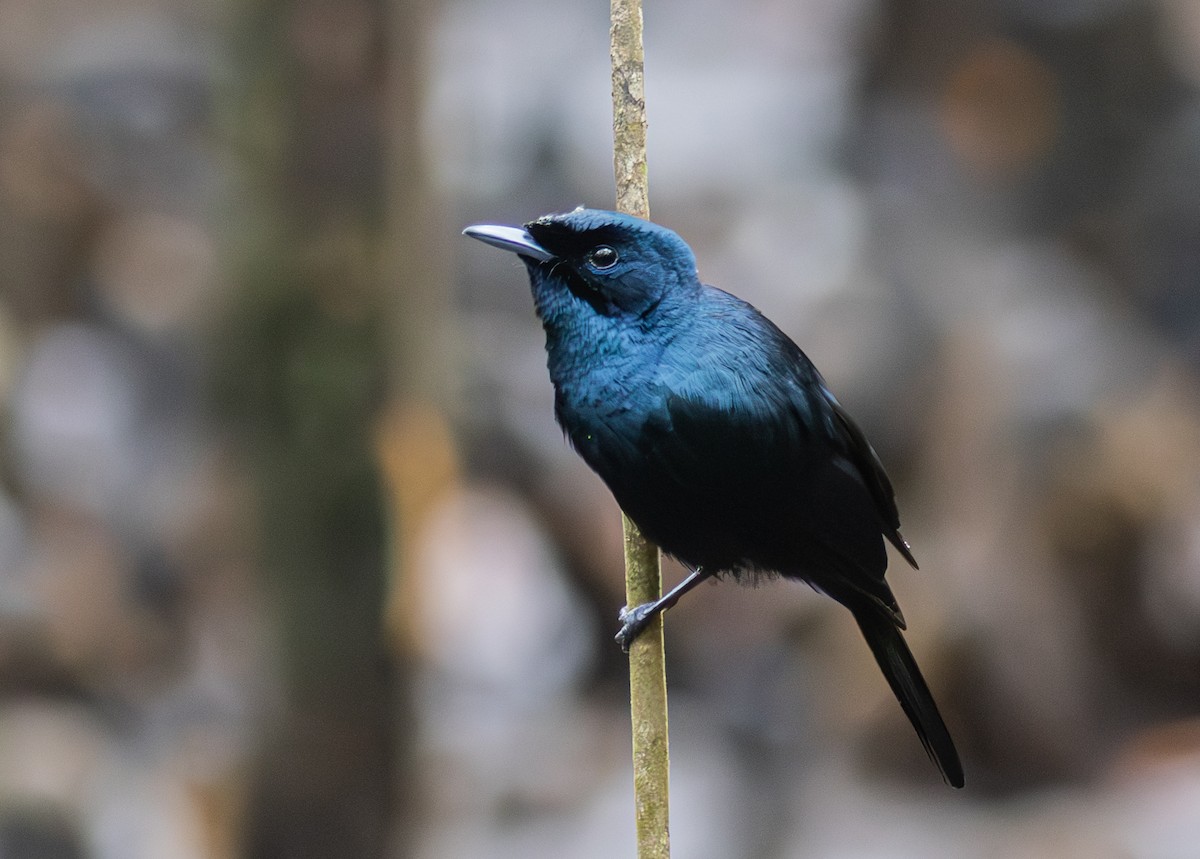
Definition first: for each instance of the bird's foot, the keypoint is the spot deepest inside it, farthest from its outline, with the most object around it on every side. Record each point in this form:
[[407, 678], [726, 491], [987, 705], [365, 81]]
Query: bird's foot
[[634, 622]]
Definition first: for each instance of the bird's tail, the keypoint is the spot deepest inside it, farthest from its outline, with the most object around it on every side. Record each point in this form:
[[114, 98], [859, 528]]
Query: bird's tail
[[898, 666]]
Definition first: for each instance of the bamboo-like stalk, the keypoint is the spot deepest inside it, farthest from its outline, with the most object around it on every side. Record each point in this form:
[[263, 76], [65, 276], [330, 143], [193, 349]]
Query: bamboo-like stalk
[[643, 573], [629, 108]]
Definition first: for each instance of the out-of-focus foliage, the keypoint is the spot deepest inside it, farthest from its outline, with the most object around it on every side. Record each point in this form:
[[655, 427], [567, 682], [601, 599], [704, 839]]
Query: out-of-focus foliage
[[293, 560]]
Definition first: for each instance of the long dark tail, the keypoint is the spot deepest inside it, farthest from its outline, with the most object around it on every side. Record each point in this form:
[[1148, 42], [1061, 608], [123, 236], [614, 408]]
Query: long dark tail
[[898, 666]]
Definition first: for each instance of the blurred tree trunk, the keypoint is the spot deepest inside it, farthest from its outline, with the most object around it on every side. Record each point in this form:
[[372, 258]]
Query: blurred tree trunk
[[304, 373]]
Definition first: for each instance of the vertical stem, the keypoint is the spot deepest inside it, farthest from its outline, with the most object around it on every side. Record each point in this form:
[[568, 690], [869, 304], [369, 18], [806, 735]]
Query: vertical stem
[[643, 575], [629, 109], [648, 701]]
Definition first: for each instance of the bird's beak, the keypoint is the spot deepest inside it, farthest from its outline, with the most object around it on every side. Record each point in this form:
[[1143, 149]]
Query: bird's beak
[[512, 239]]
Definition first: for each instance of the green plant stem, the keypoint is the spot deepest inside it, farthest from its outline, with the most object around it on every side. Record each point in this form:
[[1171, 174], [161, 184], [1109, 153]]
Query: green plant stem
[[643, 573]]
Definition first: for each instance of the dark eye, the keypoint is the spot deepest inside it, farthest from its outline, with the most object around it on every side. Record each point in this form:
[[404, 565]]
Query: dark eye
[[602, 257]]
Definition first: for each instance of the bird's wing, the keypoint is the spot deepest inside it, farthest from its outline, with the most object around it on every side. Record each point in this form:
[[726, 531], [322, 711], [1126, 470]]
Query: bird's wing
[[777, 460], [870, 469], [755, 413], [716, 433], [739, 404]]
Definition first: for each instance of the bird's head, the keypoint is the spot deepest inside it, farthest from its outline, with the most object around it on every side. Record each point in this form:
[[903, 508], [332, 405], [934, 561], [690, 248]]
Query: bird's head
[[590, 262]]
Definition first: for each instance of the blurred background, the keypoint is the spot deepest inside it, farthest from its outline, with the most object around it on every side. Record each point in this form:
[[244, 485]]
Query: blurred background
[[295, 563]]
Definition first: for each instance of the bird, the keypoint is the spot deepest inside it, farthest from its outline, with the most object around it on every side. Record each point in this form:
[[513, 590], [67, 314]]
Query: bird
[[715, 433]]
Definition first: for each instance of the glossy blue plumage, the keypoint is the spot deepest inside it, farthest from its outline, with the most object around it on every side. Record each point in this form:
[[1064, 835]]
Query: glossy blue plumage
[[714, 431]]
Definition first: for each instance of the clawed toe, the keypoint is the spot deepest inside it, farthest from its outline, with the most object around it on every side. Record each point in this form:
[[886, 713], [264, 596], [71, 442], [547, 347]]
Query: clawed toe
[[633, 622]]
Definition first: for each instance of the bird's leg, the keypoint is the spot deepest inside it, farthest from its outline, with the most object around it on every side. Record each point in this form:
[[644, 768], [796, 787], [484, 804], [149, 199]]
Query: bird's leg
[[635, 620]]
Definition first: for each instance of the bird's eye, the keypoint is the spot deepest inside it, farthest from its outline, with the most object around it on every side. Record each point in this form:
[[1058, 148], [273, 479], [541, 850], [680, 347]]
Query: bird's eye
[[602, 257]]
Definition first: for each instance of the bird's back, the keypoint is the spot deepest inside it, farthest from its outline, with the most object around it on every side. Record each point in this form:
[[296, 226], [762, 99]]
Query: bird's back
[[725, 449]]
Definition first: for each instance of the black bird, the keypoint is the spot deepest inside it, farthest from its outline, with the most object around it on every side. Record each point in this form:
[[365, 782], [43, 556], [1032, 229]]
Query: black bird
[[715, 433]]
